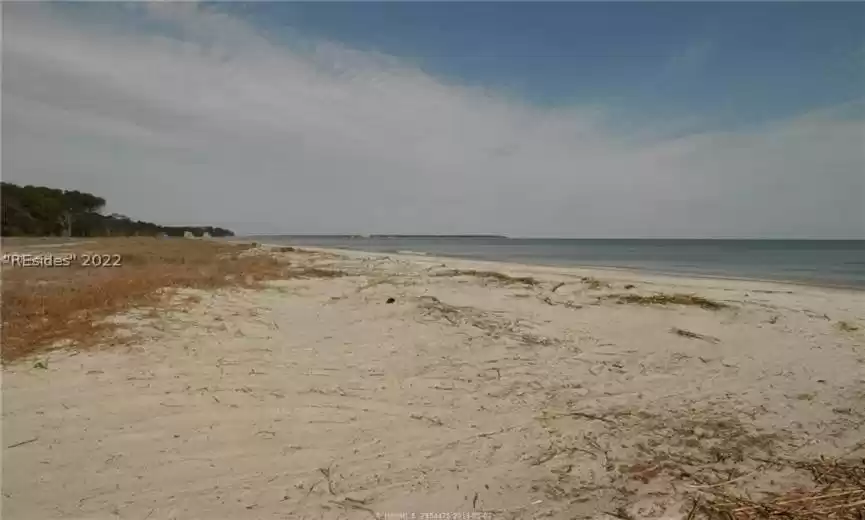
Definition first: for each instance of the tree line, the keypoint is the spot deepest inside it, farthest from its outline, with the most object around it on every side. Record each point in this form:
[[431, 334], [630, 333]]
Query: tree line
[[41, 211]]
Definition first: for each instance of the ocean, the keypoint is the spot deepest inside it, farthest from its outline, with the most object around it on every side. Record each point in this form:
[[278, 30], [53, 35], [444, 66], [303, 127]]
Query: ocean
[[837, 263]]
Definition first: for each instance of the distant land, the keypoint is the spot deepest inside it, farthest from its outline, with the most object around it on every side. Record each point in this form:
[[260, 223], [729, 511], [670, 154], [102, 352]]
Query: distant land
[[383, 236], [437, 236], [41, 211]]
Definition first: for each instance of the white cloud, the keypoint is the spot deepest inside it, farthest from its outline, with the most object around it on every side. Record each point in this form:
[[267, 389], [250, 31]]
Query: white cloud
[[211, 123]]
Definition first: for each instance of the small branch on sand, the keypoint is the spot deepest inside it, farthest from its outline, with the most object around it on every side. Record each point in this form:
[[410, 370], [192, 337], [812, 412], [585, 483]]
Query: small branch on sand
[[22, 443], [693, 509], [431, 420], [693, 335], [326, 473], [568, 304], [351, 503], [584, 415]]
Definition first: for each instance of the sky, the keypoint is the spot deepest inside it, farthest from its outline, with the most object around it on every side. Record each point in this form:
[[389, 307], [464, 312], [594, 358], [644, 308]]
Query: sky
[[678, 120]]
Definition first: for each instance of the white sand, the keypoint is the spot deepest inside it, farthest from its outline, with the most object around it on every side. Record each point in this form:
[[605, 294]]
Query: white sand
[[316, 399]]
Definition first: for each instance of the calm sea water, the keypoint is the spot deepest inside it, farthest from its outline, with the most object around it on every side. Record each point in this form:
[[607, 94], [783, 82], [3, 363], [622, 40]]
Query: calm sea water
[[821, 262]]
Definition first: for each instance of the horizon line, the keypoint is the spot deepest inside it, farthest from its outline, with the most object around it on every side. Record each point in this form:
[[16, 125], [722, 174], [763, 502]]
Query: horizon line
[[516, 237]]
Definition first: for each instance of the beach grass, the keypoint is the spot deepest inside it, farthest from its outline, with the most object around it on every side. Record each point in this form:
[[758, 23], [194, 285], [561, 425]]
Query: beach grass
[[495, 276], [847, 326], [43, 306], [670, 299]]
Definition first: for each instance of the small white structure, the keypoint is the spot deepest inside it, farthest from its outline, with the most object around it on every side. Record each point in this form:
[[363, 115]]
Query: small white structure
[[205, 235], [188, 234]]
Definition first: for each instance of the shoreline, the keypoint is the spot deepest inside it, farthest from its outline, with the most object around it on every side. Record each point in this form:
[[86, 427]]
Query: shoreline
[[505, 264]]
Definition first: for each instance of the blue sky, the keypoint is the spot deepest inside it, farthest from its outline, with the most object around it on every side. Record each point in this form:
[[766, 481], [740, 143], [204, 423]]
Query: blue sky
[[728, 63], [720, 120]]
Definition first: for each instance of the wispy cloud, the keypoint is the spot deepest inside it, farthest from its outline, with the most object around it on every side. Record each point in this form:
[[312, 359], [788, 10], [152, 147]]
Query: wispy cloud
[[691, 58], [207, 121]]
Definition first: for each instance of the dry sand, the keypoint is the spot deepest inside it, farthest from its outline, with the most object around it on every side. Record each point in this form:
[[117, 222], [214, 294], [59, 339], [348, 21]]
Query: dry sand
[[536, 398]]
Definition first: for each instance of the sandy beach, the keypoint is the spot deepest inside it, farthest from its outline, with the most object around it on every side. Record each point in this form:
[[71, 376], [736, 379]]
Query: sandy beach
[[417, 384]]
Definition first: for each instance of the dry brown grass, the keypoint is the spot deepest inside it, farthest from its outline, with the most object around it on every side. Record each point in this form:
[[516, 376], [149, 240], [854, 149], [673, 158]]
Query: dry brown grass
[[594, 284], [838, 492], [668, 299], [43, 306], [847, 326], [728, 469], [492, 276]]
